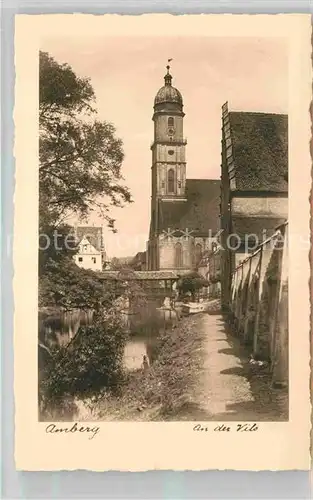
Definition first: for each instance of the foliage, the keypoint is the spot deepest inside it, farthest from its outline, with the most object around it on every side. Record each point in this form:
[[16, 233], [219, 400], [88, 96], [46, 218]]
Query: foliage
[[191, 282], [66, 285], [121, 263], [56, 244], [95, 363], [80, 156]]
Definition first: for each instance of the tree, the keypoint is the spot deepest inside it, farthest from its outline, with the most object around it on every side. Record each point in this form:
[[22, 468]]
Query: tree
[[93, 367], [56, 245], [191, 282], [120, 263], [80, 156], [64, 284], [80, 171]]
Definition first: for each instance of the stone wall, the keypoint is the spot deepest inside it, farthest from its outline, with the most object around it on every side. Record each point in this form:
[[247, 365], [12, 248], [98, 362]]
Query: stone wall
[[259, 303], [260, 206]]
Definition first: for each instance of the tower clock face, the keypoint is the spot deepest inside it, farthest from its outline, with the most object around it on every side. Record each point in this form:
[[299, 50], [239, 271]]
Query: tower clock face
[[171, 131]]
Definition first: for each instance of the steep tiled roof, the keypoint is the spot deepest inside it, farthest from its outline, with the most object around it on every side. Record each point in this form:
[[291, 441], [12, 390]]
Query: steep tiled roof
[[199, 213], [260, 151], [93, 235], [260, 227]]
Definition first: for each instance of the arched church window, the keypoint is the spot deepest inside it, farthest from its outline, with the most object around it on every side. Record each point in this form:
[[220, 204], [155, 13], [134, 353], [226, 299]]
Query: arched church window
[[198, 253], [170, 181], [178, 255], [170, 122]]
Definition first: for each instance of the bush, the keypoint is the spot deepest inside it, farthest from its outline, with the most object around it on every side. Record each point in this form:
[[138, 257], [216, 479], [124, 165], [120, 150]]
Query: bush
[[64, 284], [94, 364]]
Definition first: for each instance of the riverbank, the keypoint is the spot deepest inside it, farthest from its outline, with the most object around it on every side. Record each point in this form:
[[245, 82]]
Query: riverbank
[[201, 372], [162, 389]]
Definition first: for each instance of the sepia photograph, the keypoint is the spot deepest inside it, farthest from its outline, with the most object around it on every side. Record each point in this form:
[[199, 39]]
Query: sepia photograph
[[163, 229], [161, 242]]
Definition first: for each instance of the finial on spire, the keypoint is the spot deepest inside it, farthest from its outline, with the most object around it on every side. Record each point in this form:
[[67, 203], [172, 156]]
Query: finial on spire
[[168, 77]]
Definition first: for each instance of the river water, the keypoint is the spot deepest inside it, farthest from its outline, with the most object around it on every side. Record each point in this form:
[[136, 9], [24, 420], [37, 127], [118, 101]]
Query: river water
[[135, 350], [144, 343], [137, 347]]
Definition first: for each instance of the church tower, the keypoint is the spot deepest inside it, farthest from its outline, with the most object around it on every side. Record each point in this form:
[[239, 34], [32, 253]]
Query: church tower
[[168, 149], [184, 212]]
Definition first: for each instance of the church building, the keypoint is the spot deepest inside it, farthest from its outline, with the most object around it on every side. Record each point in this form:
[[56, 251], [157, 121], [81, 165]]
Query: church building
[[184, 212]]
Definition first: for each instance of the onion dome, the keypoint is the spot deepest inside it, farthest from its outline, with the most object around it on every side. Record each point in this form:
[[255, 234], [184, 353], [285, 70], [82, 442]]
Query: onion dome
[[168, 93]]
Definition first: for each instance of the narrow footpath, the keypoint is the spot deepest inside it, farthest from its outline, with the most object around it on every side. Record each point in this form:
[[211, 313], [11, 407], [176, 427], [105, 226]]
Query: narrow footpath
[[225, 387], [230, 387]]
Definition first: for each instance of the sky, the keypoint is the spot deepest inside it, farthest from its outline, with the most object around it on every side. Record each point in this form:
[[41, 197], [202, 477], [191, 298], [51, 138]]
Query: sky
[[126, 73]]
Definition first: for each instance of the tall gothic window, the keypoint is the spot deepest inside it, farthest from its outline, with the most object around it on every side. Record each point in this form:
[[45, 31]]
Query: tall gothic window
[[170, 122], [178, 255], [170, 181], [198, 253]]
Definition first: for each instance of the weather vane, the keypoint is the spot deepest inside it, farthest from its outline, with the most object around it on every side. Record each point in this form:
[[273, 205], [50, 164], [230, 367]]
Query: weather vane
[[168, 64]]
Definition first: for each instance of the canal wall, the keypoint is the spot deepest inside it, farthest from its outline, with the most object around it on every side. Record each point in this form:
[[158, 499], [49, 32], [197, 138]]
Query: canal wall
[[259, 304]]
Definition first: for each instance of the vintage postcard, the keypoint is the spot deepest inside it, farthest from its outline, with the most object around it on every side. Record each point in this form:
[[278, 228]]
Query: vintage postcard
[[161, 242]]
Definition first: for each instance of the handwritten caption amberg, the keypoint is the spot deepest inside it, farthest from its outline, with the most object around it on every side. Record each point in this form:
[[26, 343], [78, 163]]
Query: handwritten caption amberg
[[90, 431], [228, 428]]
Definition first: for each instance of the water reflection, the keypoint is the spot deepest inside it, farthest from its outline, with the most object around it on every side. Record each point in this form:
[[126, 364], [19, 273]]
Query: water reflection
[[136, 349], [145, 324]]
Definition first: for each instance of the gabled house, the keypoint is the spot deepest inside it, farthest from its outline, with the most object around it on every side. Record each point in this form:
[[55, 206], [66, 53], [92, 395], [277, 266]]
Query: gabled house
[[254, 185], [91, 253]]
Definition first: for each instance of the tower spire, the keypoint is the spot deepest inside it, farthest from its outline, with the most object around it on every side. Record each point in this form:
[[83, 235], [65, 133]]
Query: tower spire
[[168, 76]]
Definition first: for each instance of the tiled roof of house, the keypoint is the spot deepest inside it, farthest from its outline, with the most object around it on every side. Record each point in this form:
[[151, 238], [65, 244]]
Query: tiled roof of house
[[93, 235], [199, 213], [260, 151], [259, 228]]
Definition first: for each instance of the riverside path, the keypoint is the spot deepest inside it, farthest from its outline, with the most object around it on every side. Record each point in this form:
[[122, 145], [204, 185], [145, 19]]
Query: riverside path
[[229, 387]]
